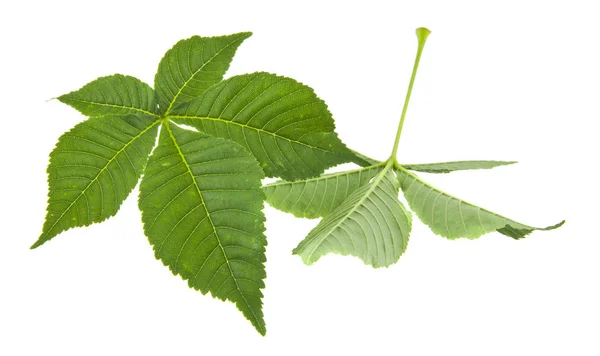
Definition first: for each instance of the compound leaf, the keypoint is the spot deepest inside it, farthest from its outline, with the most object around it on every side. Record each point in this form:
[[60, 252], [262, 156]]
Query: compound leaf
[[371, 224], [113, 95], [282, 122], [93, 169], [193, 65], [453, 218], [201, 206], [447, 167], [317, 197]]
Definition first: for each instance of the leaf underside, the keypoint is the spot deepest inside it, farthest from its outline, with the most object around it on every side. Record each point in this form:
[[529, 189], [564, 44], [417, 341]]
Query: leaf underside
[[93, 169], [113, 95], [370, 223], [335, 197], [453, 218], [201, 206], [193, 65], [447, 167], [317, 197], [280, 121]]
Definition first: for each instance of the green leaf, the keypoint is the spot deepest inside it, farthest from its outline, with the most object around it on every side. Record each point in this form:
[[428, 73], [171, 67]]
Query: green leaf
[[93, 169], [282, 122], [193, 65], [441, 167], [317, 197], [371, 224], [113, 95], [201, 206], [447, 167], [454, 218]]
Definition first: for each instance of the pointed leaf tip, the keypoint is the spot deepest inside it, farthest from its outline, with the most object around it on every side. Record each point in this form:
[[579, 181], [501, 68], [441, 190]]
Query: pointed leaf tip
[[262, 331], [112, 95], [552, 227], [87, 160], [517, 233], [37, 244], [447, 167], [438, 209]]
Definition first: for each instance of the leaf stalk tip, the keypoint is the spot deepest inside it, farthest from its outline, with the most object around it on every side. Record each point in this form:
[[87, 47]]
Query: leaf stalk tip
[[422, 34]]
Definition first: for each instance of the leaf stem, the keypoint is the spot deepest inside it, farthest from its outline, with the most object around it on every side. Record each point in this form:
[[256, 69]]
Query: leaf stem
[[422, 34]]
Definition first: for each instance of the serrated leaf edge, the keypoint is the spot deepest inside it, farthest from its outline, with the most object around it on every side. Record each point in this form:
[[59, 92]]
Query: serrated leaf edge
[[43, 237], [64, 98], [507, 226], [259, 321], [243, 36]]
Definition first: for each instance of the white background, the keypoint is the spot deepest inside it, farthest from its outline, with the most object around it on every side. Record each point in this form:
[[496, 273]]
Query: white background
[[513, 80]]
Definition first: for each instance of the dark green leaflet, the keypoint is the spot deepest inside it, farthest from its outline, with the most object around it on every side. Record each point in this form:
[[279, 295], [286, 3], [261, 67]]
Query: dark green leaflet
[[93, 169], [192, 66], [282, 122], [113, 95], [201, 206]]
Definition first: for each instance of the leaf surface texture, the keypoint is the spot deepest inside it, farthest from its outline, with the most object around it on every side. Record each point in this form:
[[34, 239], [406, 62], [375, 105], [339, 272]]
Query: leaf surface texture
[[93, 169], [201, 206], [113, 95], [317, 197], [282, 122], [370, 224], [193, 65], [454, 218]]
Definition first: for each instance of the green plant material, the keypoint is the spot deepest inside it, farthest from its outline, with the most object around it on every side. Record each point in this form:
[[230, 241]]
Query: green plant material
[[362, 215], [192, 66], [447, 167], [200, 195], [202, 206], [93, 169], [282, 122], [113, 95], [452, 217], [317, 197], [370, 223]]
